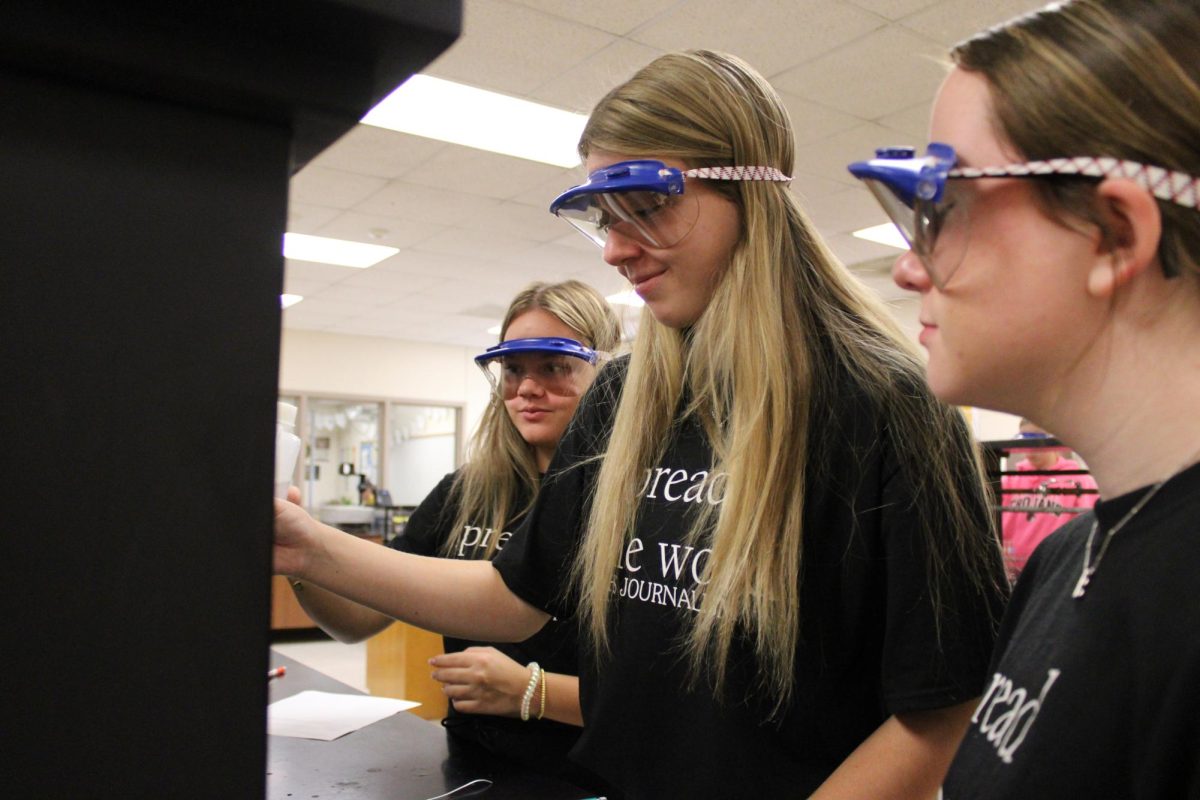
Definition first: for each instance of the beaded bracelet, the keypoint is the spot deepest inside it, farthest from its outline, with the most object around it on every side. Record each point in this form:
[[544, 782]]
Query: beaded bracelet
[[542, 711], [534, 672]]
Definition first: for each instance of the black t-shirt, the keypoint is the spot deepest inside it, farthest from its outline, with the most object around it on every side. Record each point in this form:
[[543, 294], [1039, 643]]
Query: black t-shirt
[[1097, 696], [869, 643], [543, 744]]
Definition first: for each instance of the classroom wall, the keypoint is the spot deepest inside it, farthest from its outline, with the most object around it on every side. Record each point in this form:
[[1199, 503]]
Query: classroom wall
[[361, 366]]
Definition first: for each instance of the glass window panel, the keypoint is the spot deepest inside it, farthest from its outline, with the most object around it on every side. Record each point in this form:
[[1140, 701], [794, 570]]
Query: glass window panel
[[342, 449], [422, 447]]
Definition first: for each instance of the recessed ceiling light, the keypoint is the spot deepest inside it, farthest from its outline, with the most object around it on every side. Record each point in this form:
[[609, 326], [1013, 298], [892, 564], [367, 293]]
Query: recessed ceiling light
[[626, 298], [451, 112], [887, 233], [289, 300], [302, 247], [494, 330]]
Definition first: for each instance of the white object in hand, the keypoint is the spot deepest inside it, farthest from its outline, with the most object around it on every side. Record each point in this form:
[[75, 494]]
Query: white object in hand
[[287, 447]]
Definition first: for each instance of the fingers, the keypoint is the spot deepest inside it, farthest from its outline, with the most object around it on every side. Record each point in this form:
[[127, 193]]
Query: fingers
[[293, 494], [450, 660], [463, 658], [458, 676]]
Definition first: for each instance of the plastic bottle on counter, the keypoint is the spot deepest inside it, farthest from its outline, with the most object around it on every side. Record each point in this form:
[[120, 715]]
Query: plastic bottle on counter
[[287, 447]]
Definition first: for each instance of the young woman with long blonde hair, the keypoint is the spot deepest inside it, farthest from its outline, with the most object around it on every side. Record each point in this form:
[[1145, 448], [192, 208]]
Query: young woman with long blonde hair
[[775, 539], [539, 377]]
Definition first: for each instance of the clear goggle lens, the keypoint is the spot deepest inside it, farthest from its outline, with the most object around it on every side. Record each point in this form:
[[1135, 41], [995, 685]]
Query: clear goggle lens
[[563, 375], [937, 231], [652, 218]]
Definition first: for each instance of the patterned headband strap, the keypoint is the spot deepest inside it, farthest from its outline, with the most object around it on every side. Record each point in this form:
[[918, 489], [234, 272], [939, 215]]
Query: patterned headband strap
[[1175, 187], [737, 174]]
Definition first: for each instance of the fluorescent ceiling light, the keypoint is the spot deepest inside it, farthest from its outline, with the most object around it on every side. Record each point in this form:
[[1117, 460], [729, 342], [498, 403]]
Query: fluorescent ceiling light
[[887, 233], [627, 298], [302, 247], [451, 112], [494, 330], [289, 300]]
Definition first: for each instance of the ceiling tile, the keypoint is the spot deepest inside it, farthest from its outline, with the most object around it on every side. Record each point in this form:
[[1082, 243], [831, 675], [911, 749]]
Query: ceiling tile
[[580, 87], [893, 9], [466, 272], [844, 212], [396, 326], [312, 312], [332, 187], [381, 277], [615, 16], [950, 21], [812, 121], [467, 242], [912, 121], [772, 36], [379, 152], [881, 73], [520, 220], [296, 285], [518, 48], [314, 273], [364, 297], [541, 195], [392, 231], [553, 262], [471, 171], [303, 317], [438, 301], [809, 189], [424, 204], [830, 157], [308, 218]]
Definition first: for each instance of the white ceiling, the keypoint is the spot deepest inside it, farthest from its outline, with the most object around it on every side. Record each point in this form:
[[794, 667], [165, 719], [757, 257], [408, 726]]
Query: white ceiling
[[472, 227]]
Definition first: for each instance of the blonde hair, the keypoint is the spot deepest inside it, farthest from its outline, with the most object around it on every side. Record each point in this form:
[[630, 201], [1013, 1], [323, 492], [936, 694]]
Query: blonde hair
[[501, 468], [1117, 78], [785, 321]]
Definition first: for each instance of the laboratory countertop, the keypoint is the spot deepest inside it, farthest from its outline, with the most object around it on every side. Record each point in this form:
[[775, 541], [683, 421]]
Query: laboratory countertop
[[401, 757]]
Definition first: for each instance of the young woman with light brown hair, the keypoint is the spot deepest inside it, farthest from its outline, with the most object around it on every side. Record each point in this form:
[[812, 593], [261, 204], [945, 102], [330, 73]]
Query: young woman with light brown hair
[[775, 539], [471, 513], [1056, 248]]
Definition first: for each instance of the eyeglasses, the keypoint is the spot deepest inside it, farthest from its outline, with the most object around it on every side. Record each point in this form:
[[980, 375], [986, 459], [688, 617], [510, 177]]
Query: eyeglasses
[[644, 200], [933, 215], [563, 367]]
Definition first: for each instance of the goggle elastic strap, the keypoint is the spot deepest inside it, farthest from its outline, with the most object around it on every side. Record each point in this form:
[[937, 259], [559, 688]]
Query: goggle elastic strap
[[738, 174], [1174, 187]]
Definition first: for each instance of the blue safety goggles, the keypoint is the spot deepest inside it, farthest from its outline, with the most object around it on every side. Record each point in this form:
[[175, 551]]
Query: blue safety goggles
[[933, 215], [911, 191], [561, 366], [644, 200]]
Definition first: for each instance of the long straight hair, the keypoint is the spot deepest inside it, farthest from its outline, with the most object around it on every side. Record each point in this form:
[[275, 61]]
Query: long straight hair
[[500, 479], [785, 320]]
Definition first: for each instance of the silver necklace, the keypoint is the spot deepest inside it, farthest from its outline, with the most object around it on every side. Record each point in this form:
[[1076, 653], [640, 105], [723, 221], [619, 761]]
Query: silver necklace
[[1089, 568]]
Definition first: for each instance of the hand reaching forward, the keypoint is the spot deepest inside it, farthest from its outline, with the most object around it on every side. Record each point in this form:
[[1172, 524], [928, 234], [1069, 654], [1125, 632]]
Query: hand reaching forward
[[293, 534], [481, 680]]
